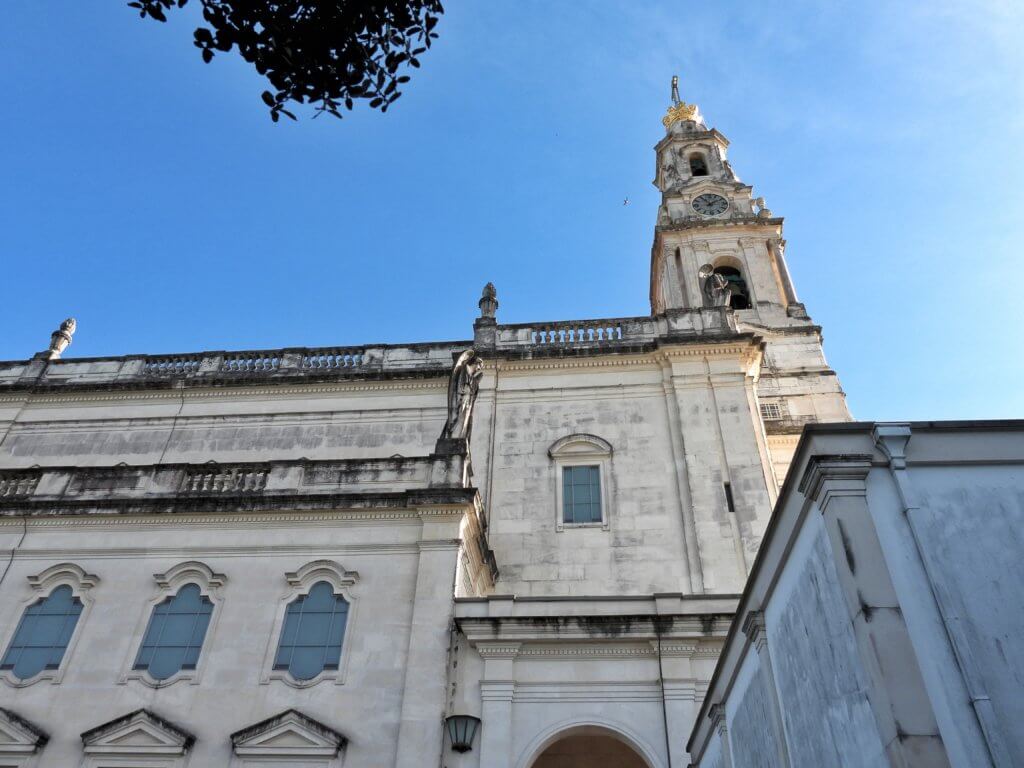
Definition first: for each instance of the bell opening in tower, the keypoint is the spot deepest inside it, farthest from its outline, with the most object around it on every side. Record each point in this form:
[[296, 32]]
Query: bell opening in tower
[[739, 297]]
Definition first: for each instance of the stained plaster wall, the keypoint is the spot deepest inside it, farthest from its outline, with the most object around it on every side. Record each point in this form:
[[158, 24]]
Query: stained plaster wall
[[368, 420], [753, 737], [970, 525], [822, 686]]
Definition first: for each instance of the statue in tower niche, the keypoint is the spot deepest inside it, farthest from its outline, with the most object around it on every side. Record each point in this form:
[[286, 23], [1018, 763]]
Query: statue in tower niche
[[716, 288], [462, 390]]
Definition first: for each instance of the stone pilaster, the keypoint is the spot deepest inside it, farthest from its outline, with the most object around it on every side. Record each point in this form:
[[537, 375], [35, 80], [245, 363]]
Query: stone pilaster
[[716, 714], [496, 690], [423, 700], [754, 628], [897, 695]]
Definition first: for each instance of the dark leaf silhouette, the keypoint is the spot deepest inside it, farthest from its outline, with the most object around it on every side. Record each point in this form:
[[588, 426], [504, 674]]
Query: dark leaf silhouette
[[322, 53]]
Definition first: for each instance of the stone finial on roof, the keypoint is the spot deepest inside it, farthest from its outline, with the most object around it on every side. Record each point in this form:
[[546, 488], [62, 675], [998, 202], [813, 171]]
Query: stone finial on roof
[[489, 301], [61, 338]]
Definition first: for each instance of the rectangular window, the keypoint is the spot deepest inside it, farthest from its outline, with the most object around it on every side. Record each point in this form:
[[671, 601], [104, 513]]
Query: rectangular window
[[581, 494], [771, 411]]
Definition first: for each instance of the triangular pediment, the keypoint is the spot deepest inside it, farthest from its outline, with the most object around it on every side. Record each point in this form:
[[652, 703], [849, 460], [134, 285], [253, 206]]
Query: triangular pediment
[[138, 733], [290, 733], [18, 736]]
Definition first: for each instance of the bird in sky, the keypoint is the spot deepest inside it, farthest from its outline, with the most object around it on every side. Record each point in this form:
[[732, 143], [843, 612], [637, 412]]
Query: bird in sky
[[625, 201]]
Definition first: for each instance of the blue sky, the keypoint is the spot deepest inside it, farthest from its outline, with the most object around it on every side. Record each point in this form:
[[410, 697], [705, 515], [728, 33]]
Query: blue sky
[[149, 195]]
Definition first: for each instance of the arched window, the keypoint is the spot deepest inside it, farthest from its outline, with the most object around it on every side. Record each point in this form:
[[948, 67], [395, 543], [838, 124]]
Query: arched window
[[314, 626], [43, 634], [698, 165], [175, 633], [740, 298]]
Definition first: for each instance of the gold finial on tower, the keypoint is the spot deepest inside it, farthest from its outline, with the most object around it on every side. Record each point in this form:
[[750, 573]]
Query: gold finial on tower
[[679, 110]]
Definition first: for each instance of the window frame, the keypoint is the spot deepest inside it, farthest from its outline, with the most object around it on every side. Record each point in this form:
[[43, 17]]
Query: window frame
[[168, 584], [42, 585], [582, 450], [300, 582]]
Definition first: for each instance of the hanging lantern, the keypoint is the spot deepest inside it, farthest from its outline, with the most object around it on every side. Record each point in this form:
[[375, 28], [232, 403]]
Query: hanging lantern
[[461, 731]]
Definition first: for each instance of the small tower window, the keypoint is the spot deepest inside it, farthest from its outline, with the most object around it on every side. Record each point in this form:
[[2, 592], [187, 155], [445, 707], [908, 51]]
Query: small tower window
[[698, 165], [740, 298]]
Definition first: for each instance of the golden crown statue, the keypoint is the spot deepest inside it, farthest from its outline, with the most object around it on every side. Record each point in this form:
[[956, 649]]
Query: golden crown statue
[[679, 110]]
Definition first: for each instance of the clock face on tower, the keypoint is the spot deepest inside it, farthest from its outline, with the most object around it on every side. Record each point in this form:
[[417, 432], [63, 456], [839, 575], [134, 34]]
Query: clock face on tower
[[709, 204]]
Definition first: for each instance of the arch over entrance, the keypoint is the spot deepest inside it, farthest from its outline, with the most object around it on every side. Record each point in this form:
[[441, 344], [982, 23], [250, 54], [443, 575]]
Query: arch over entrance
[[587, 745]]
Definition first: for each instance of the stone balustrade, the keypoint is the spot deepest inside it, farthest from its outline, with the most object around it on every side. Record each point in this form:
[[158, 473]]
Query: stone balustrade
[[197, 369], [251, 362], [230, 479], [577, 333], [433, 359], [609, 333], [333, 359], [18, 484], [101, 487], [177, 365]]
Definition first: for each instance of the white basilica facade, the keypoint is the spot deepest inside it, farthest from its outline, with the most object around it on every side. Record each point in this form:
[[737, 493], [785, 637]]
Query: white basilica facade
[[521, 550]]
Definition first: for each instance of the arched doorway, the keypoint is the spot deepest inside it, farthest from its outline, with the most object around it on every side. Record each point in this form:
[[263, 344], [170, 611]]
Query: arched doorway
[[589, 747]]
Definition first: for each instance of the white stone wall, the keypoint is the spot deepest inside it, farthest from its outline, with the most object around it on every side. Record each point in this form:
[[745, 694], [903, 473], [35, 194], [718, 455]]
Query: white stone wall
[[388, 700], [680, 427]]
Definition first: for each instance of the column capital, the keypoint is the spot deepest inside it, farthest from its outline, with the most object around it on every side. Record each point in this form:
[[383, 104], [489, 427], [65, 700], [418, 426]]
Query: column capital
[[830, 476]]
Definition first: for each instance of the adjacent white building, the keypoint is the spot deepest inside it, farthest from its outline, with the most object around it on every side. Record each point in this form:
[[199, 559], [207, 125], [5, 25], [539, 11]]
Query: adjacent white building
[[313, 557], [883, 621]]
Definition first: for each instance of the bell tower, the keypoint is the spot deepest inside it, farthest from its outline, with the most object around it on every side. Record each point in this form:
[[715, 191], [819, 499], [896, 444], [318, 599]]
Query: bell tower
[[715, 244]]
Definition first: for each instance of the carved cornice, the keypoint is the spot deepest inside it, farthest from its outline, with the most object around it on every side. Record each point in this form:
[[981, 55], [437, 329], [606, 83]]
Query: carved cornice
[[498, 650], [673, 629], [187, 570], [143, 520], [590, 651], [684, 225], [321, 569], [828, 477]]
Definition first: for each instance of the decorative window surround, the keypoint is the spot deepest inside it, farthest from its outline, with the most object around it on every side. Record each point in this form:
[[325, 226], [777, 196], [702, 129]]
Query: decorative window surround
[[168, 584], [140, 739], [43, 583], [20, 740], [288, 739], [300, 582], [582, 450]]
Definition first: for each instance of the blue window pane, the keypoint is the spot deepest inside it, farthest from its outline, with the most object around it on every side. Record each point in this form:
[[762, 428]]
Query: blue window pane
[[43, 634], [314, 626], [581, 494], [175, 634]]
